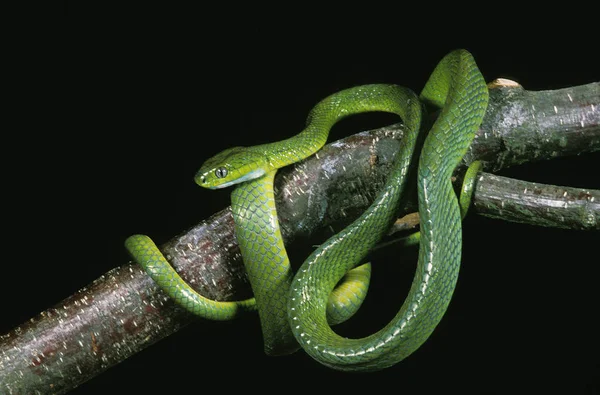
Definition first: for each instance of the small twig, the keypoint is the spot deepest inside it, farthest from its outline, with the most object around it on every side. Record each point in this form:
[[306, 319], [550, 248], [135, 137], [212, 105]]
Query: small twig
[[537, 204]]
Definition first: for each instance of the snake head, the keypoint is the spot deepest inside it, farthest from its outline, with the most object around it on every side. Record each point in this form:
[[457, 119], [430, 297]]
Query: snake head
[[230, 167]]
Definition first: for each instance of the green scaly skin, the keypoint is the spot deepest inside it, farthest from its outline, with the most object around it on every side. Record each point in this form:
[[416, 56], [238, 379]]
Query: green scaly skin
[[253, 206], [315, 301], [146, 253], [464, 200], [459, 90], [343, 302]]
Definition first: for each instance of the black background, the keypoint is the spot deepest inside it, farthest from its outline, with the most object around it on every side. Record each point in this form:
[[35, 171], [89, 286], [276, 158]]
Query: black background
[[147, 103]]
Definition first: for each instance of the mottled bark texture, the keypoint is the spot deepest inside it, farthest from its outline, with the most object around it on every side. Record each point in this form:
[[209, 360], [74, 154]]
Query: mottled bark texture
[[123, 311], [537, 204]]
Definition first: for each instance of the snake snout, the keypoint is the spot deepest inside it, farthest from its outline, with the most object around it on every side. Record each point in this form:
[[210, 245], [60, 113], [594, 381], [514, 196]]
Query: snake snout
[[202, 179]]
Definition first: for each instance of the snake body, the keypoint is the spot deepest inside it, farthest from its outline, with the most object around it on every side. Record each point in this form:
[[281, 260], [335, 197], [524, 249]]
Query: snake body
[[458, 89], [298, 310]]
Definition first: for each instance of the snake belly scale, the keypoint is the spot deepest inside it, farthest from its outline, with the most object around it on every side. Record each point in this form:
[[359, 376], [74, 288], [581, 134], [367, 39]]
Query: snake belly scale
[[295, 310]]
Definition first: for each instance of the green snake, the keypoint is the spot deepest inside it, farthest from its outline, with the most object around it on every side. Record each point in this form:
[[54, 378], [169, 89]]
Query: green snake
[[298, 310]]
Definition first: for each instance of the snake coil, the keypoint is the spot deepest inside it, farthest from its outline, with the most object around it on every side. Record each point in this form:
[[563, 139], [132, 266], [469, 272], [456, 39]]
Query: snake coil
[[296, 310]]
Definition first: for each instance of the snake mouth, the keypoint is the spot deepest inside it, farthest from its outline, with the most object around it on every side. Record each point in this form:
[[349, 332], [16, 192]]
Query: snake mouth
[[251, 175], [224, 185]]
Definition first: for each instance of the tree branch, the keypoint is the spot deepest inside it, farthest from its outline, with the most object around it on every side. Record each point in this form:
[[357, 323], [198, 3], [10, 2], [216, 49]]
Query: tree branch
[[123, 311]]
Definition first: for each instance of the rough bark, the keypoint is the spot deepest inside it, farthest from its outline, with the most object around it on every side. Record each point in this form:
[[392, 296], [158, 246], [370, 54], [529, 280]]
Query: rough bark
[[123, 311], [537, 204]]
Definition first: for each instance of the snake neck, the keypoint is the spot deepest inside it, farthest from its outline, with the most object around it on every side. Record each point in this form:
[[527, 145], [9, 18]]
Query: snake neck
[[265, 259], [328, 112]]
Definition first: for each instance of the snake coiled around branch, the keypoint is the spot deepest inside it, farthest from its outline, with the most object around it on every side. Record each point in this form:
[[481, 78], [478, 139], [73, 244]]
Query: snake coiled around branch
[[293, 307]]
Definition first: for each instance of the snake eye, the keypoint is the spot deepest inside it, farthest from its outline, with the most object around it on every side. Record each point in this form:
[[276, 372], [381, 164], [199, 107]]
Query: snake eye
[[221, 172]]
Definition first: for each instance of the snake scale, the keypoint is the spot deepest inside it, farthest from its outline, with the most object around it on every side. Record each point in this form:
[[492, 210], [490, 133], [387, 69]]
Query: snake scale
[[297, 310]]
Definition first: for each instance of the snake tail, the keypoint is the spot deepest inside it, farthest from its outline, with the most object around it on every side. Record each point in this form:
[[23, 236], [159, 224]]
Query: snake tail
[[146, 253]]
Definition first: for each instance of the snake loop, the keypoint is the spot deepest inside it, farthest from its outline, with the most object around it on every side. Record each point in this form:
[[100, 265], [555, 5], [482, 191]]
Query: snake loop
[[458, 89], [297, 310]]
